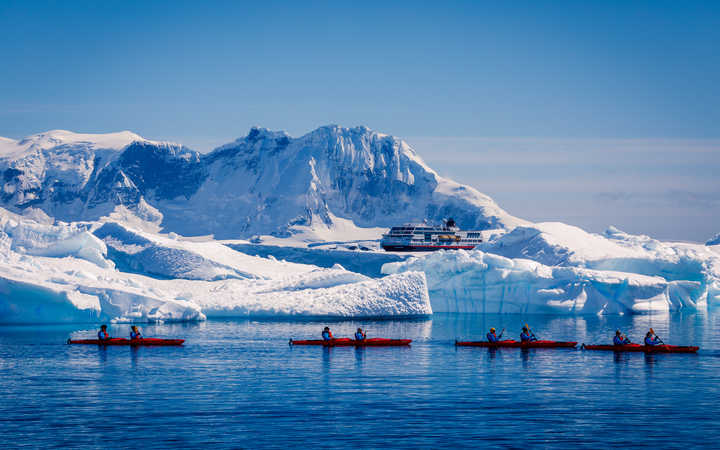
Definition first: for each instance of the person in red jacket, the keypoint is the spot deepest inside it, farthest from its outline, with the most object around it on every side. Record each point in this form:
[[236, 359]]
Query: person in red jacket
[[135, 333], [103, 334], [327, 334]]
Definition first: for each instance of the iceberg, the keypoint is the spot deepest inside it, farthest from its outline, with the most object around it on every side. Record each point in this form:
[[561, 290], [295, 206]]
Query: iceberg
[[557, 268], [76, 273]]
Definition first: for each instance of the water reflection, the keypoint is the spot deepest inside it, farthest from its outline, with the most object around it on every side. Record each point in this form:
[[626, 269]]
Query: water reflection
[[134, 351], [359, 353], [650, 360], [525, 357], [102, 354], [492, 353]]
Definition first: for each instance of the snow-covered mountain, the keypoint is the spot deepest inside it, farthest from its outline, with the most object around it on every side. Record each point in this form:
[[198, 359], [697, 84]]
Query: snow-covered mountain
[[264, 183], [714, 241]]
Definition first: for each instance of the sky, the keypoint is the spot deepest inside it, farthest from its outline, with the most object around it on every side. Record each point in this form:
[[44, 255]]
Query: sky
[[591, 113]]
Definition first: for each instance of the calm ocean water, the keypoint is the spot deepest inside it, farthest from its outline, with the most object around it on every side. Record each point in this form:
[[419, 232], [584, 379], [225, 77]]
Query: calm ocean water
[[237, 383]]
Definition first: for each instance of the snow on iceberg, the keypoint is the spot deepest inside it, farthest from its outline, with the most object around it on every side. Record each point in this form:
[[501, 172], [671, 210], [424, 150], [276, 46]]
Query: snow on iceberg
[[62, 273], [162, 256], [397, 295], [27, 235], [556, 268], [558, 244]]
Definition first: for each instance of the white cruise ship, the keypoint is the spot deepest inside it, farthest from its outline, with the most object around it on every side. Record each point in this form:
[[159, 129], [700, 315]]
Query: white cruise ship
[[422, 237]]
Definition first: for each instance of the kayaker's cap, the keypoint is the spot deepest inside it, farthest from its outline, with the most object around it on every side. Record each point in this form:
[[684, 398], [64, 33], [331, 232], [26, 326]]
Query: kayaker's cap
[[327, 328], [492, 330], [103, 327], [359, 329], [617, 332]]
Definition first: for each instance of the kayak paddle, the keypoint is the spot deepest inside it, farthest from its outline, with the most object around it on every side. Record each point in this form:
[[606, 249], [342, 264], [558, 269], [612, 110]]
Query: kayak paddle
[[501, 333], [531, 332], [658, 337]]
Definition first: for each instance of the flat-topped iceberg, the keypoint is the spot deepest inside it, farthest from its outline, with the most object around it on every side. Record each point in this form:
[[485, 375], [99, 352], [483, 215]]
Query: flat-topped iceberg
[[79, 272], [557, 268]]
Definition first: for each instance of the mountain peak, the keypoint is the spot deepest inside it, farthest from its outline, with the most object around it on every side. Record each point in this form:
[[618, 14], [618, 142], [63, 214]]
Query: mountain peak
[[57, 138], [53, 138], [264, 183]]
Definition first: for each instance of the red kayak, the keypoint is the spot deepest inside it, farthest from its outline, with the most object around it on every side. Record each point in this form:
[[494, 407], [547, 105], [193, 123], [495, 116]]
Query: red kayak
[[123, 341], [346, 342], [643, 348], [517, 344]]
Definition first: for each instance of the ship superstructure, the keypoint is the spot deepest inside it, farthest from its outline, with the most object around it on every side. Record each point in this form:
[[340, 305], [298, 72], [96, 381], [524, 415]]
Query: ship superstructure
[[423, 237]]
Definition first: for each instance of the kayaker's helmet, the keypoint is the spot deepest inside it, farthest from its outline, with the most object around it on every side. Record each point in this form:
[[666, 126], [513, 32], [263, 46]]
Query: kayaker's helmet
[[525, 329], [327, 329], [359, 330], [617, 332], [492, 330], [103, 327]]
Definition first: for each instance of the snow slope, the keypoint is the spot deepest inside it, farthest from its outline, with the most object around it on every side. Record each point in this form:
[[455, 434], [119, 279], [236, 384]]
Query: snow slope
[[328, 184], [714, 241], [64, 273], [557, 268]]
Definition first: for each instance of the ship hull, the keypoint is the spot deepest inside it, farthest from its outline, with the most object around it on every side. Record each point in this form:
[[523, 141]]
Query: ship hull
[[425, 248]]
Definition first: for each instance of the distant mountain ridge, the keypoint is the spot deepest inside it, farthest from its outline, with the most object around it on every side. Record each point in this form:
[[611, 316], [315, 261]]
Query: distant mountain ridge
[[264, 183]]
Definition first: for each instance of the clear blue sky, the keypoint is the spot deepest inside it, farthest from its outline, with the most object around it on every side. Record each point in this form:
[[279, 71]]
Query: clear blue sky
[[444, 75]]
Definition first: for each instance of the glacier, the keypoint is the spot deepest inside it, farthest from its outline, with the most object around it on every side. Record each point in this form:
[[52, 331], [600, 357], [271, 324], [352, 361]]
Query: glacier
[[561, 269], [71, 272]]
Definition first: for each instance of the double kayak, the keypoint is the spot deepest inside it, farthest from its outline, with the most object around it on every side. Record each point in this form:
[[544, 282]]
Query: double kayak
[[347, 342], [643, 348], [517, 344], [123, 341]]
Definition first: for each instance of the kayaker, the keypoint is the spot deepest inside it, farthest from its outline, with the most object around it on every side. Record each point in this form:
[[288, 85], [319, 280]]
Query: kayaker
[[526, 336], [651, 340], [491, 337], [327, 334], [103, 334], [619, 339], [135, 333], [359, 335]]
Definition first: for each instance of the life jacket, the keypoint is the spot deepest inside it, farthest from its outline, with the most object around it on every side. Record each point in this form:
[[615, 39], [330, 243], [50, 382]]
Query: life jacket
[[491, 337], [327, 335], [359, 336], [102, 335], [524, 337], [134, 335]]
